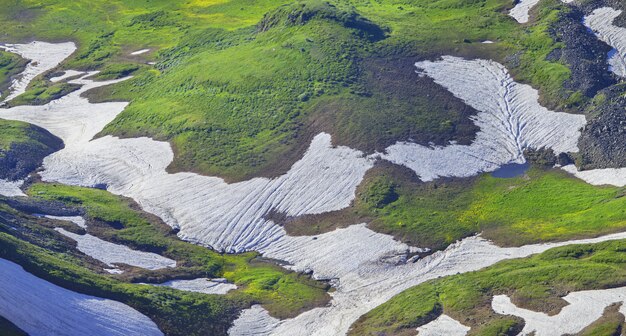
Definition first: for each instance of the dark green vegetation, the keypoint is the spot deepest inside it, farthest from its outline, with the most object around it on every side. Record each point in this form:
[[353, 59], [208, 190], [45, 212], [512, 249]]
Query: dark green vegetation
[[542, 205], [33, 244], [240, 86], [23, 147], [10, 65], [9, 329], [535, 283]]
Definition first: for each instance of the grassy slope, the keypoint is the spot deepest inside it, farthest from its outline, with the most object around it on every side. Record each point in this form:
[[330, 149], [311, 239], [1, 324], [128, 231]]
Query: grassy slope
[[535, 283], [543, 205], [234, 100], [283, 293]]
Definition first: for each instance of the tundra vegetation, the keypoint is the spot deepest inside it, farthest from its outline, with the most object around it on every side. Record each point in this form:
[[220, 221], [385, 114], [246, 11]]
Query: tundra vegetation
[[239, 84], [536, 283], [240, 87], [32, 242]]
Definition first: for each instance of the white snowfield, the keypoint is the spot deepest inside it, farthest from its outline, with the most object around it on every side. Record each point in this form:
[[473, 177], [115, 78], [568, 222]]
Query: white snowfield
[[521, 10], [43, 57], [78, 220], [443, 325], [583, 308], [601, 23], [200, 285], [41, 308], [367, 268], [11, 188], [510, 120], [111, 254]]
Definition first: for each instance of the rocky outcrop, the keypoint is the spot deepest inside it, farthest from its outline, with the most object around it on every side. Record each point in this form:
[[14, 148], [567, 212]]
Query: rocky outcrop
[[23, 157], [603, 140], [585, 55]]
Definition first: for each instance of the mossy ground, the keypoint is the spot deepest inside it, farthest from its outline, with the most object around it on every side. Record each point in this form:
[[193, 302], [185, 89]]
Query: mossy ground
[[535, 283], [50, 256], [241, 86]]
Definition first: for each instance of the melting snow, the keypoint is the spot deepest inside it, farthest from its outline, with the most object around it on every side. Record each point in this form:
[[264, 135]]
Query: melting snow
[[584, 308], [609, 176], [254, 321], [139, 52], [43, 56], [443, 325], [78, 220], [41, 308], [601, 23], [510, 120], [200, 285], [11, 188], [521, 10], [65, 75], [110, 253]]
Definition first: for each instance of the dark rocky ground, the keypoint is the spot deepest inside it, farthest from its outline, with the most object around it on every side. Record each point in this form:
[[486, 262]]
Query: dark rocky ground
[[603, 140]]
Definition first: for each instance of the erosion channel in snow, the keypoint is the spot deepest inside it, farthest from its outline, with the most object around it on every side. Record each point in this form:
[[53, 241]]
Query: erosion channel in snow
[[510, 120], [366, 268], [41, 308]]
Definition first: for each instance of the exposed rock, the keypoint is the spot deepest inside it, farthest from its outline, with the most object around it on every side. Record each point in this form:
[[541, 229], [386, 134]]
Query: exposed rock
[[585, 55], [603, 141]]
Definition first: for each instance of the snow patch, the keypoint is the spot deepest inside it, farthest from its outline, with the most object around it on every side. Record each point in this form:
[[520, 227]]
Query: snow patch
[[11, 188], [139, 52], [43, 57], [608, 176], [510, 119], [65, 75], [255, 321], [443, 325], [521, 10], [601, 23], [200, 285], [41, 308], [110, 253], [78, 220], [584, 308]]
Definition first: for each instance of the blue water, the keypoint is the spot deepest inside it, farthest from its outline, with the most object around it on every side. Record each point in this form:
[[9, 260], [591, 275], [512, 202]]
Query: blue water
[[511, 170]]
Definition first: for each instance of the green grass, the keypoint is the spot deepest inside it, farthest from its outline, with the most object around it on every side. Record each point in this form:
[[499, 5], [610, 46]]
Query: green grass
[[536, 283], [283, 293], [240, 86], [10, 65], [543, 205]]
